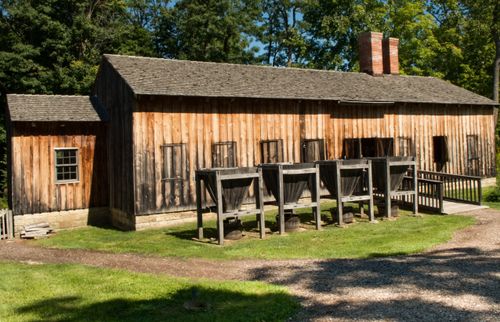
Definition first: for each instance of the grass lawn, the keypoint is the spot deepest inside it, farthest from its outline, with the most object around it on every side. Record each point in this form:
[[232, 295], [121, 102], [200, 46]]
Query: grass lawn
[[406, 235], [79, 293]]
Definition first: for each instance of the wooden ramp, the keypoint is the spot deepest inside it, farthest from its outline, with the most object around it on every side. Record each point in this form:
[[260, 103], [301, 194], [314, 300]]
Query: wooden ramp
[[450, 207]]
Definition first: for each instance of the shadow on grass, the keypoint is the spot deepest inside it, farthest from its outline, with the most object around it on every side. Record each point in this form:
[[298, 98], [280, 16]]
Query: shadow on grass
[[451, 273], [222, 306], [250, 225]]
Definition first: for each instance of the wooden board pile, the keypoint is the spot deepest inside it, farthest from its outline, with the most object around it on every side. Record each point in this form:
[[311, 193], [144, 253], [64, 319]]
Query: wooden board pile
[[36, 231]]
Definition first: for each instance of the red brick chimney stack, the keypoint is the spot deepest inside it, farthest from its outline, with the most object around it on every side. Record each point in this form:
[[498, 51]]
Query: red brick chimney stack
[[370, 53], [391, 57]]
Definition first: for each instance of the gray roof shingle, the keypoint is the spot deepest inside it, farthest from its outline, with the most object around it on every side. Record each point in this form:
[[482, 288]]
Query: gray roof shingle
[[55, 108], [157, 76]]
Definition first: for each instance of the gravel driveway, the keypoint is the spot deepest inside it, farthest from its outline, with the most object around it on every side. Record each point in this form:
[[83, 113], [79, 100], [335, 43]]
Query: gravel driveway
[[456, 281]]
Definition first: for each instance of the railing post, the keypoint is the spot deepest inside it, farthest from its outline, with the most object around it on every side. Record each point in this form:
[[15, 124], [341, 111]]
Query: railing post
[[479, 192], [441, 198]]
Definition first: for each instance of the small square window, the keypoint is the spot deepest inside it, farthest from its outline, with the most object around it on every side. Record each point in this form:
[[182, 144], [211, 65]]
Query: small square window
[[271, 151], [175, 165], [313, 150], [405, 147], [224, 154], [66, 165], [472, 147], [351, 149]]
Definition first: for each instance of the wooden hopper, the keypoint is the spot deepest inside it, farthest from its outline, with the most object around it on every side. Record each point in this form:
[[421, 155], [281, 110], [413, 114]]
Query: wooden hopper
[[287, 182], [233, 191], [388, 176], [350, 178], [345, 180], [228, 188], [293, 185], [397, 172]]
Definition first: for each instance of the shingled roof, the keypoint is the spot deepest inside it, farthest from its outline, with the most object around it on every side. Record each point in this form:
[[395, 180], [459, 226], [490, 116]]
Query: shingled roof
[[156, 76], [55, 108]]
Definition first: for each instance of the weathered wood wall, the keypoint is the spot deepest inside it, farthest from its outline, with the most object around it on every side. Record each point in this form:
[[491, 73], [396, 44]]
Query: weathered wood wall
[[34, 187], [200, 122], [118, 99]]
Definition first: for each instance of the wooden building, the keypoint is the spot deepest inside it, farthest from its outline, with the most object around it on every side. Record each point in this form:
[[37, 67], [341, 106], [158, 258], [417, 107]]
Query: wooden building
[[58, 160], [168, 118]]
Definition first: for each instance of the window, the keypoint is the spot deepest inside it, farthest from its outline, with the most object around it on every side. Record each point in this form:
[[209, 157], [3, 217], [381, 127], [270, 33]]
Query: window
[[473, 165], [368, 147], [472, 143], [313, 150], [175, 165], [440, 144], [66, 165], [351, 149], [405, 147], [224, 154], [377, 147], [271, 151]]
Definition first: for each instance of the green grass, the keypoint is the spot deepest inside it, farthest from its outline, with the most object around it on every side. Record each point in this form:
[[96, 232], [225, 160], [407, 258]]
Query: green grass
[[79, 293], [406, 235]]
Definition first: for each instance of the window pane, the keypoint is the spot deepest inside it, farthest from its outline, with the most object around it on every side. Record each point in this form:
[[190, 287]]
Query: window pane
[[224, 154], [174, 162], [66, 164], [313, 150], [271, 151]]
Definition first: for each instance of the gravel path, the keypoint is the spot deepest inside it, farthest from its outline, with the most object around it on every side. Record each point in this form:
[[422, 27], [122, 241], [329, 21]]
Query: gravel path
[[459, 280]]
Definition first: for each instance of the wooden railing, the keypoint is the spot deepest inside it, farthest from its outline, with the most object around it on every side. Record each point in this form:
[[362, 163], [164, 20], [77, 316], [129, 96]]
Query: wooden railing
[[430, 194], [6, 224], [456, 187]]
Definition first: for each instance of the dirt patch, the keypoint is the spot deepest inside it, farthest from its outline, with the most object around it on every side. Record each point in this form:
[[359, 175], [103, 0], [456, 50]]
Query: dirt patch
[[459, 280]]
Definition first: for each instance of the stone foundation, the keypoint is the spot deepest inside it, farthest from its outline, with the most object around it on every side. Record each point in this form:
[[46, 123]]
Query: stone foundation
[[488, 182], [63, 219], [143, 222]]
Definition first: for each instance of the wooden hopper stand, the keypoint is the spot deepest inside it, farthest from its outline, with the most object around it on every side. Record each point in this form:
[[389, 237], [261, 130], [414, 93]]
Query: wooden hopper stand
[[388, 174], [344, 181], [228, 187], [287, 182]]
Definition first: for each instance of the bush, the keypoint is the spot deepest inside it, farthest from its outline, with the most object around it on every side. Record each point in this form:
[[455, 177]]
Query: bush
[[493, 196]]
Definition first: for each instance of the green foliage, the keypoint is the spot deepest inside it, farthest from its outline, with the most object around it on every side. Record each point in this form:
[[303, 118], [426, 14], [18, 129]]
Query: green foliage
[[213, 30], [55, 46], [80, 293], [407, 235], [281, 33], [332, 29]]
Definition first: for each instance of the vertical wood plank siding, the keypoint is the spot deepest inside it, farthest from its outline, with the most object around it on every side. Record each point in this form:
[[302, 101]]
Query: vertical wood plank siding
[[118, 98], [200, 122], [33, 167]]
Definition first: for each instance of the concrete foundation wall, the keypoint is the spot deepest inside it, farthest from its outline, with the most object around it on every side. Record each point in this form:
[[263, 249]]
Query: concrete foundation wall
[[64, 219]]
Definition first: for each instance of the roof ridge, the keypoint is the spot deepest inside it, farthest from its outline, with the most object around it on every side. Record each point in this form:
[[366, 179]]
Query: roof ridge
[[237, 64]]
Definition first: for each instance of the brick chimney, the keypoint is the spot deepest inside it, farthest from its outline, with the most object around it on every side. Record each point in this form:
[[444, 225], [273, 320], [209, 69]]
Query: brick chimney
[[390, 54], [370, 53]]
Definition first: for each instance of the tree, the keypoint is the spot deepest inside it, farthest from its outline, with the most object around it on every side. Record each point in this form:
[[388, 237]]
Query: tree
[[281, 33], [465, 31], [55, 46], [209, 30]]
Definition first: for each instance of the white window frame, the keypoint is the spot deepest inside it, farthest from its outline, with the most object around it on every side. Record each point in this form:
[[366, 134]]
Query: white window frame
[[77, 165]]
